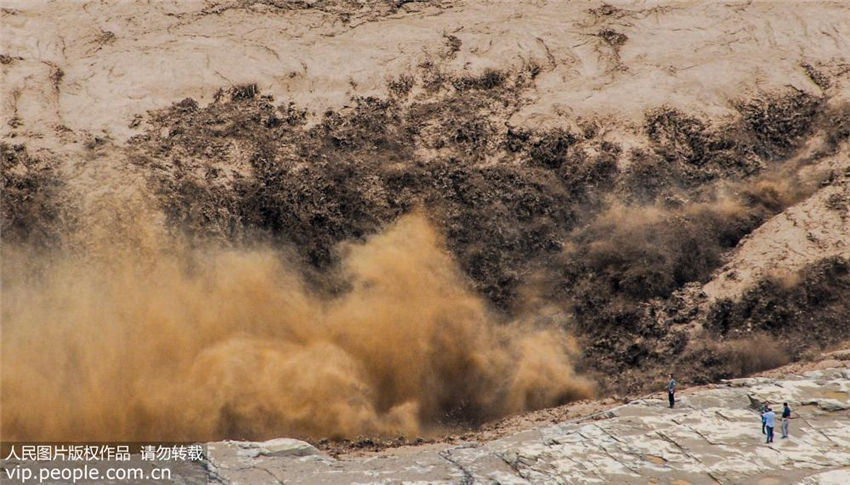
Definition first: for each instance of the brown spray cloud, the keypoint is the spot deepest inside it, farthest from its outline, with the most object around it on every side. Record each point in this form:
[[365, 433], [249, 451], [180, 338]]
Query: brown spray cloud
[[154, 341]]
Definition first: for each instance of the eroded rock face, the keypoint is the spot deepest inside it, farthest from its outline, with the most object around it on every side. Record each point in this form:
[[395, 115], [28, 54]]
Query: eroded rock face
[[713, 435]]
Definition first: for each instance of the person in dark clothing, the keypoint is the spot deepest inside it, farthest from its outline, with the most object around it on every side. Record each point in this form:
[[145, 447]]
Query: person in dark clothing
[[786, 419], [764, 409], [671, 391]]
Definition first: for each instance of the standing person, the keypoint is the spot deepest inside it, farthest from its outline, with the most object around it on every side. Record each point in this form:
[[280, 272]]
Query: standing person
[[671, 391], [786, 419], [769, 423], [764, 408]]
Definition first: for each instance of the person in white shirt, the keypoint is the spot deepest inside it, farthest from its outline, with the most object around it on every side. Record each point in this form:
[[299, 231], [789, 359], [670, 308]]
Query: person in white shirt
[[769, 423]]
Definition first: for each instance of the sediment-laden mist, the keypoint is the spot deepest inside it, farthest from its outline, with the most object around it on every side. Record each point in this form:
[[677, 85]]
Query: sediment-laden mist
[[163, 342]]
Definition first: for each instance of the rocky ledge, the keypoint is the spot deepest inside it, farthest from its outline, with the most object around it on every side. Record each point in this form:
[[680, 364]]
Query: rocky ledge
[[712, 436]]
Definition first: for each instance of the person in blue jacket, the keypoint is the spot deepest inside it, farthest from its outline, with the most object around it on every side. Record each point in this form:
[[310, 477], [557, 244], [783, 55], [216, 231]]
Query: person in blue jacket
[[671, 391], [764, 409]]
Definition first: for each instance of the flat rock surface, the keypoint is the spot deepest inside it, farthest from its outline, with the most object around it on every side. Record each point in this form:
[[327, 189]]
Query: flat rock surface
[[712, 436]]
